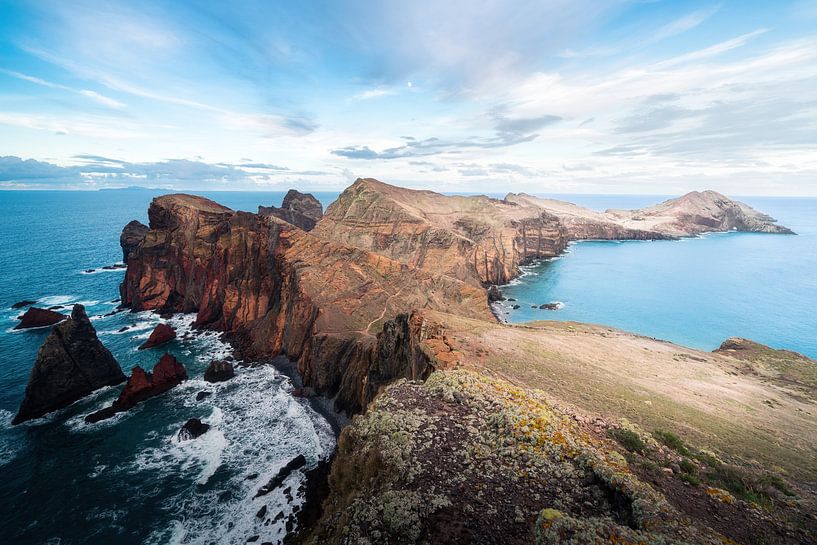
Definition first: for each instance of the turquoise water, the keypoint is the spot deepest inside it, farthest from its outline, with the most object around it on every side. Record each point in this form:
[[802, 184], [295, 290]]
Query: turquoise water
[[696, 291], [129, 481]]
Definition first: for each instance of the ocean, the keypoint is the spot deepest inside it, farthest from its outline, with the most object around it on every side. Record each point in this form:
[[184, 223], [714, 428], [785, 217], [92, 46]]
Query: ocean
[[128, 480], [695, 291]]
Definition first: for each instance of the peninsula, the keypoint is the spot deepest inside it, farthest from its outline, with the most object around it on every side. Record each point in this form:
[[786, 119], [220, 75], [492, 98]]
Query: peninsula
[[473, 431]]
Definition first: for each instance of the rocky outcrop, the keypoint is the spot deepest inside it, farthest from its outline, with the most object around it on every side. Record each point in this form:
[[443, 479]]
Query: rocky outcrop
[[300, 209], [691, 214], [281, 290], [39, 317], [131, 237], [22, 304], [219, 371], [141, 385], [161, 334], [71, 364], [476, 239], [192, 429]]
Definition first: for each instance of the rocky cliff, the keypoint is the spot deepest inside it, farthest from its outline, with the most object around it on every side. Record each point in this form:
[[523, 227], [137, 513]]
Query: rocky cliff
[[300, 209], [285, 291], [71, 364], [475, 239], [132, 235], [327, 297]]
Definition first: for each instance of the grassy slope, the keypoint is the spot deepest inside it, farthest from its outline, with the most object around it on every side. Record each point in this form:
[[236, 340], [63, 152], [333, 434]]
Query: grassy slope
[[704, 397]]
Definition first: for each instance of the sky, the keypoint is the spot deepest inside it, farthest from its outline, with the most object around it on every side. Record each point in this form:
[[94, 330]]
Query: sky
[[543, 96]]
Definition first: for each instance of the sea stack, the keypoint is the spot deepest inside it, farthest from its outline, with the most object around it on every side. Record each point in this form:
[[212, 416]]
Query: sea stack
[[161, 334], [71, 364], [167, 373]]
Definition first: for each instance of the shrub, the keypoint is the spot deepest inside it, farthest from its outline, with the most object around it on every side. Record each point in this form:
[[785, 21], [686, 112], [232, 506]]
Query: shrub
[[671, 440], [688, 467], [628, 439], [690, 478]]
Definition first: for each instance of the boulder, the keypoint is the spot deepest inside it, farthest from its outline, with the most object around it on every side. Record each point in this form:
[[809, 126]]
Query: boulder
[[167, 373], [219, 371], [25, 303], [203, 395], [132, 235], [279, 478], [161, 334], [300, 209], [71, 364], [39, 317], [193, 428]]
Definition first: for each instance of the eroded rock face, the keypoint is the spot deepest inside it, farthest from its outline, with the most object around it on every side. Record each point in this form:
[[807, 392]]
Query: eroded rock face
[[161, 334], [300, 209], [141, 385], [71, 364], [477, 239], [39, 317], [132, 235], [219, 371], [282, 290]]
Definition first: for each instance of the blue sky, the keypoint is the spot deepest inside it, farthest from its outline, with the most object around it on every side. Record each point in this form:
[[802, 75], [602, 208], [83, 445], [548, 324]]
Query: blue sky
[[547, 96]]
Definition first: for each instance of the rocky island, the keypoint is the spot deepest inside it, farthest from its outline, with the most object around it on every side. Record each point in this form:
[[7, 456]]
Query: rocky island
[[472, 431]]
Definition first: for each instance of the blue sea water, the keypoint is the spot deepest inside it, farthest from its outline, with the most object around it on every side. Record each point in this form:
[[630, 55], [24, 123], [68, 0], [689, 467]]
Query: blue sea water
[[130, 481], [695, 291]]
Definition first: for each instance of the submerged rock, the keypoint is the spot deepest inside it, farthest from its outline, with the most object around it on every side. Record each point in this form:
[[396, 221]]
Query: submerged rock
[[203, 395], [193, 428], [132, 235], [296, 463], [161, 334], [167, 373], [550, 306], [39, 317], [71, 364], [25, 303], [219, 371]]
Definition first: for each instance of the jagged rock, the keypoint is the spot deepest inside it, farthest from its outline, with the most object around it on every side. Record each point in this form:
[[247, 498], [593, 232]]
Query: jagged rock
[[161, 334], [193, 428], [132, 235], [219, 371], [296, 463], [167, 373], [550, 306], [495, 295], [300, 209], [203, 395], [21, 304], [261, 512], [39, 317], [71, 364]]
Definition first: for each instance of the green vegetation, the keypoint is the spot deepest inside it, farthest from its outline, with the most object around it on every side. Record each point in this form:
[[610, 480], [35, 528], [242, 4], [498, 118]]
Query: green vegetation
[[671, 440], [691, 479], [687, 466], [628, 439]]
